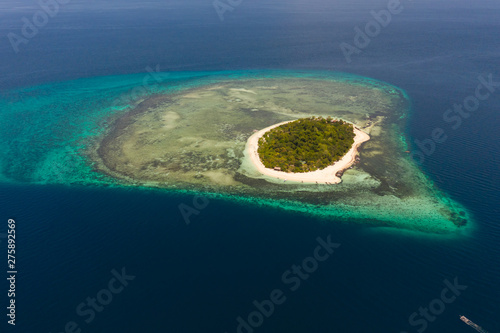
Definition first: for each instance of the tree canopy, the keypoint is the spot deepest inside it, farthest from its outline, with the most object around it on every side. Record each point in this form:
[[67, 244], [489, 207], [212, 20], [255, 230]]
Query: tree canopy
[[306, 144]]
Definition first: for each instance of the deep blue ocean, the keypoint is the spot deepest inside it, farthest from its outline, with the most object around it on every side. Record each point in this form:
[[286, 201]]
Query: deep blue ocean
[[72, 241]]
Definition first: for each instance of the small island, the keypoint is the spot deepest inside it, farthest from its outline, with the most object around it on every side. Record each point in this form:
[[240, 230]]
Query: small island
[[309, 150]]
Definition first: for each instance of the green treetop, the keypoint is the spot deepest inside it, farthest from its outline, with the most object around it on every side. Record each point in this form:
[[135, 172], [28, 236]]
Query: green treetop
[[306, 144]]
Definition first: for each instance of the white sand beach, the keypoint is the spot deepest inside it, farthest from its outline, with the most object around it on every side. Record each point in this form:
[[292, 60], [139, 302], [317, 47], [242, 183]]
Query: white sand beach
[[326, 175]]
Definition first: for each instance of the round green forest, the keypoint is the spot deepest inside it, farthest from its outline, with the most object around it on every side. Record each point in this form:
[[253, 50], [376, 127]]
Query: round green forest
[[305, 145]]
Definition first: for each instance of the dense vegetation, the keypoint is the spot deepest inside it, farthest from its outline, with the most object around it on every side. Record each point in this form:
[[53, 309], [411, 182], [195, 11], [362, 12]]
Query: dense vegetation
[[306, 144]]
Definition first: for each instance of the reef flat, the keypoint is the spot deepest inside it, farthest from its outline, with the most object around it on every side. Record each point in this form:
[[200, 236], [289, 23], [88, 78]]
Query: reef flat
[[193, 139]]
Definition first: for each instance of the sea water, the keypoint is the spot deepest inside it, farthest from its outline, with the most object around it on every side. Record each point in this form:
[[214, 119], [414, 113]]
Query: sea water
[[72, 235]]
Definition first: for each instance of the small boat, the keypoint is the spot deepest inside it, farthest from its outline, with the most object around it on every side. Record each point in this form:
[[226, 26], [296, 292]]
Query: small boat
[[472, 324]]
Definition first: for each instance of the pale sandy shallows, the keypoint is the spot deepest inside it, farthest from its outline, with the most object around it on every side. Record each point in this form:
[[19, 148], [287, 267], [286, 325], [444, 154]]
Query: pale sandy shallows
[[326, 175]]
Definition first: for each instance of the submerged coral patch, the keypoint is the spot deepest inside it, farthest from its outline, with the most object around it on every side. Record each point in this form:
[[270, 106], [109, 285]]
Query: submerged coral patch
[[195, 140]]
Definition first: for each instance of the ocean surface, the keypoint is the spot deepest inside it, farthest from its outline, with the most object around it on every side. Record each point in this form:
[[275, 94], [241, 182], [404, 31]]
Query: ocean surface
[[130, 248]]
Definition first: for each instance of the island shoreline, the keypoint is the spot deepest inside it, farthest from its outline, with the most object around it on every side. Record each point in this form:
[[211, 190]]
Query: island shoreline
[[326, 175]]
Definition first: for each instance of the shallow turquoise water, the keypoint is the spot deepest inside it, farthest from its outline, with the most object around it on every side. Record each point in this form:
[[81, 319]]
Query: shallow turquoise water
[[45, 130]]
